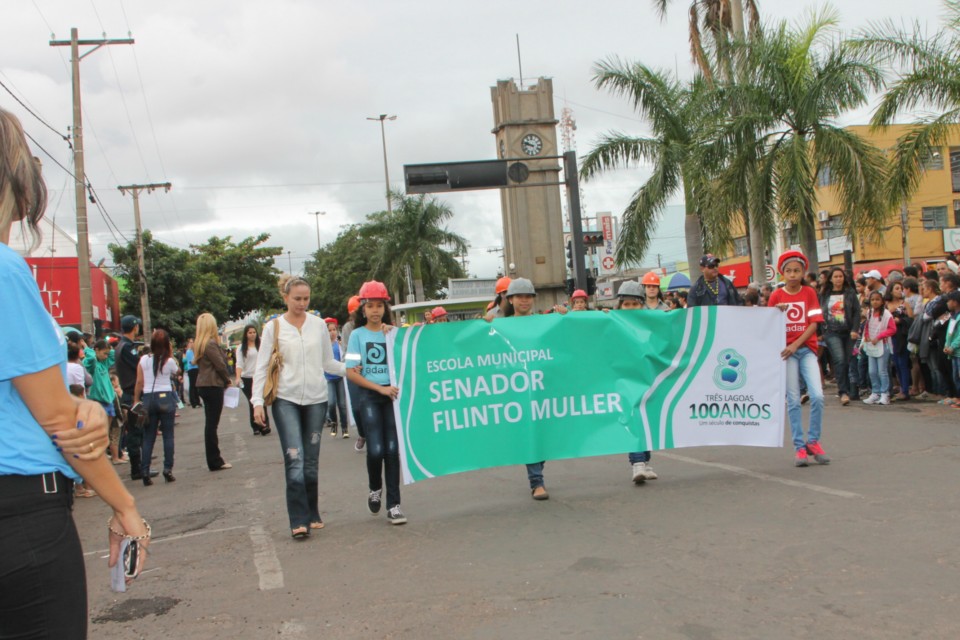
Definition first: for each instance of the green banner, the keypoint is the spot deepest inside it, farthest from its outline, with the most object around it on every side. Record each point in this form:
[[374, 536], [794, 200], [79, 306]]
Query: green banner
[[517, 390]]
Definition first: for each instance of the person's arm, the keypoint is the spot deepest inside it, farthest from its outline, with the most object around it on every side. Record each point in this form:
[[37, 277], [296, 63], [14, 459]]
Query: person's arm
[[330, 364], [89, 359], [854, 304], [889, 331], [239, 361], [111, 358], [799, 342], [138, 387], [263, 362], [79, 428]]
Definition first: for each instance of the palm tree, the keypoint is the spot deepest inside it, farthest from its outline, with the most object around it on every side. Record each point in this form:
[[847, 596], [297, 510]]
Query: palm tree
[[413, 236], [927, 74], [678, 114], [800, 83], [722, 20]]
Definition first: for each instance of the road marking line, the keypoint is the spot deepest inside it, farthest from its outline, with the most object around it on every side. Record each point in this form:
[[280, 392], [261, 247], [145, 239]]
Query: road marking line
[[179, 536], [839, 493], [265, 559]]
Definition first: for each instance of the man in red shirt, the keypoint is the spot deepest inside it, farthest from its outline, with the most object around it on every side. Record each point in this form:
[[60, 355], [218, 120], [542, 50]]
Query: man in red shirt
[[799, 302]]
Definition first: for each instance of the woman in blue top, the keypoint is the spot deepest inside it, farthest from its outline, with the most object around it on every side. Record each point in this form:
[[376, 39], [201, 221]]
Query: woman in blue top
[[368, 348], [48, 438]]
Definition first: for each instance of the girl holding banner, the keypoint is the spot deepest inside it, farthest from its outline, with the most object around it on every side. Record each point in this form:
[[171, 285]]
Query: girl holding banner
[[630, 296], [368, 349], [520, 298]]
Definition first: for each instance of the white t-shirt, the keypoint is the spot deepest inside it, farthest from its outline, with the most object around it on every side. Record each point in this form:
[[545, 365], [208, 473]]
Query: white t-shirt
[[75, 373], [246, 366], [163, 381]]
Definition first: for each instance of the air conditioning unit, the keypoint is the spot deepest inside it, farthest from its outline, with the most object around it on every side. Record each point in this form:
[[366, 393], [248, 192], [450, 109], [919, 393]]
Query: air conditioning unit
[[823, 216], [787, 225]]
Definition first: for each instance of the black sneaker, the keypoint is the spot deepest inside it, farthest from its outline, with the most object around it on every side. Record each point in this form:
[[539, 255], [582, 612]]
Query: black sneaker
[[373, 501], [395, 516]]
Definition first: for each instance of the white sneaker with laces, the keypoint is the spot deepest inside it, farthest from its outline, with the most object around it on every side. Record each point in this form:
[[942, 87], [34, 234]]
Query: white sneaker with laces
[[395, 516], [642, 473], [872, 399], [884, 398]]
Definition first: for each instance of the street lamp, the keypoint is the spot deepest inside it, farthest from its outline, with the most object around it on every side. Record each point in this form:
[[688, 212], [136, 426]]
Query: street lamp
[[317, 214], [383, 136]]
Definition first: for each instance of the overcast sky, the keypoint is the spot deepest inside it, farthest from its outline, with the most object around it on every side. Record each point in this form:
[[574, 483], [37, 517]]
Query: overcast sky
[[255, 111]]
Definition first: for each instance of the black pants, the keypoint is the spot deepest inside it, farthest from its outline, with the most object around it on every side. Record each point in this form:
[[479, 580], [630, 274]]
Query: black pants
[[248, 391], [43, 584], [194, 391], [212, 408], [383, 451]]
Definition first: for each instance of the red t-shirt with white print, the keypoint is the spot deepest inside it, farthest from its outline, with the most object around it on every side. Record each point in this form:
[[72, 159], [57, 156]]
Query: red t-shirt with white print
[[803, 308]]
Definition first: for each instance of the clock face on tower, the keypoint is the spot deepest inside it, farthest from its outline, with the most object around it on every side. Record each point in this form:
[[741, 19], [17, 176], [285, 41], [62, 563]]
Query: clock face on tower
[[531, 144]]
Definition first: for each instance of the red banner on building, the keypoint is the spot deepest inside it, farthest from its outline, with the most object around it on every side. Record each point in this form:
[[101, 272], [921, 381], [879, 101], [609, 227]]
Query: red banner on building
[[59, 284]]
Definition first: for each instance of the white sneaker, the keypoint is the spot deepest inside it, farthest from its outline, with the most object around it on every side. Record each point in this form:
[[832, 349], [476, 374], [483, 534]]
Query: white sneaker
[[873, 399], [884, 398], [642, 473]]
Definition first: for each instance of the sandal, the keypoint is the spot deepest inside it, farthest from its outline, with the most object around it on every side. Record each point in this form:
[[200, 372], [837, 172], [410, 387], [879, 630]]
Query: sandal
[[265, 431], [300, 533], [317, 525]]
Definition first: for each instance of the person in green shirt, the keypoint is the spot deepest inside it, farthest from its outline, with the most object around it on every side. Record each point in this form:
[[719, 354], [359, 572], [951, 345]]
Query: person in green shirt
[[98, 361]]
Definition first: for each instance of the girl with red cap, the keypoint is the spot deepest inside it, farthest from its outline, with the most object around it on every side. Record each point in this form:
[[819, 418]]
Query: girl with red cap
[[799, 302]]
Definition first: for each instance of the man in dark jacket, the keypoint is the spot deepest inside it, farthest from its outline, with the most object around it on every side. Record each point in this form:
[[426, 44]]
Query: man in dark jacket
[[712, 289], [126, 363]]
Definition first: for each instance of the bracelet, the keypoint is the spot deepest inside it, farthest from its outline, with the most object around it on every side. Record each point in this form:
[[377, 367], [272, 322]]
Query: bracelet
[[145, 536]]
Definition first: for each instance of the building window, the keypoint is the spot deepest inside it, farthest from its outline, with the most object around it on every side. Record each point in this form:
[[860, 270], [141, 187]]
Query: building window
[[934, 161], [833, 228], [741, 247], [955, 169], [824, 177], [793, 236], [934, 218], [956, 213]]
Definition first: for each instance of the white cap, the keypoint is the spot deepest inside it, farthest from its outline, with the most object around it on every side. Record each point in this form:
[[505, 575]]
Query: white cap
[[873, 273]]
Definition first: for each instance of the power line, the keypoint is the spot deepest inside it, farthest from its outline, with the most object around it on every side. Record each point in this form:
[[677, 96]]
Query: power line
[[31, 112]]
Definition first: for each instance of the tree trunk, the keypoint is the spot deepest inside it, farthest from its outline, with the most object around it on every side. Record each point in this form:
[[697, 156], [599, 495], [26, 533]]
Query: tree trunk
[[418, 280], [808, 241], [758, 259], [693, 233]]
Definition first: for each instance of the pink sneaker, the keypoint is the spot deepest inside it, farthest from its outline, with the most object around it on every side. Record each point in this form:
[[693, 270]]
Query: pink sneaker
[[814, 449], [801, 460]]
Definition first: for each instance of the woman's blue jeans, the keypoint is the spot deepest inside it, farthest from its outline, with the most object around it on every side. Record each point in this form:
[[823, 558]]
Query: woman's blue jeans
[[840, 346], [158, 417], [383, 451], [901, 364], [337, 403], [804, 364], [880, 372], [300, 428]]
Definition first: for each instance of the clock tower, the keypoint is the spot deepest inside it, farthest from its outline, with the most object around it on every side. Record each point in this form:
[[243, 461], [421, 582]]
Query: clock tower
[[525, 128]]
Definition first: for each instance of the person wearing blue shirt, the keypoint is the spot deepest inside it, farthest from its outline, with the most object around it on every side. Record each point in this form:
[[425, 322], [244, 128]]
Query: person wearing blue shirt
[[336, 387], [368, 349], [48, 439], [192, 372]]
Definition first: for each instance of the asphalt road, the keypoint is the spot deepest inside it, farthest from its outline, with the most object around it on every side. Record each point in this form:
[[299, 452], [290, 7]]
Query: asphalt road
[[730, 542]]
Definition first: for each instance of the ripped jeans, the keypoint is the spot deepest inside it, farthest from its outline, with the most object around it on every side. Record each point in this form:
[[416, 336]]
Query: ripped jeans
[[300, 428]]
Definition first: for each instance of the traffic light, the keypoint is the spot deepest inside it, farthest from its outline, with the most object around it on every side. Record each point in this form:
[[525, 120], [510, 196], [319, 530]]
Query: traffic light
[[591, 285], [570, 255], [571, 286], [593, 238]]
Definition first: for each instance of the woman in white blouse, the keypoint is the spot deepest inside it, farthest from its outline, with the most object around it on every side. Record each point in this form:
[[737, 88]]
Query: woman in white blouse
[[155, 389], [246, 359], [301, 404]]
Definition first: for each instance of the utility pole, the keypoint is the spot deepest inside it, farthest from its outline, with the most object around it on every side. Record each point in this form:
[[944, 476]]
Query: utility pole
[[383, 137], [905, 232], [135, 190], [289, 262], [317, 214], [80, 183]]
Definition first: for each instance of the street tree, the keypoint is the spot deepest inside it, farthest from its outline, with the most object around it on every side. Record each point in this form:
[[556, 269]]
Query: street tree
[[800, 82], [414, 235], [678, 149], [924, 73]]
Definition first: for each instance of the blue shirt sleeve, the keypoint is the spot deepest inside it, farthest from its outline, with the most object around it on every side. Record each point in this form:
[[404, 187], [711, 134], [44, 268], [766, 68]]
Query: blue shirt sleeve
[[32, 341]]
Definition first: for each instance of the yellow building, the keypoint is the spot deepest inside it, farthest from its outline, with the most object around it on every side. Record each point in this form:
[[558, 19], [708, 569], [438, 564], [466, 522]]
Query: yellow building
[[931, 221]]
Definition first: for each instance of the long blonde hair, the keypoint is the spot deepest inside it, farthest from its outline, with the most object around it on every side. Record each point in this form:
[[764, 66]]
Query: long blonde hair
[[206, 331]]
